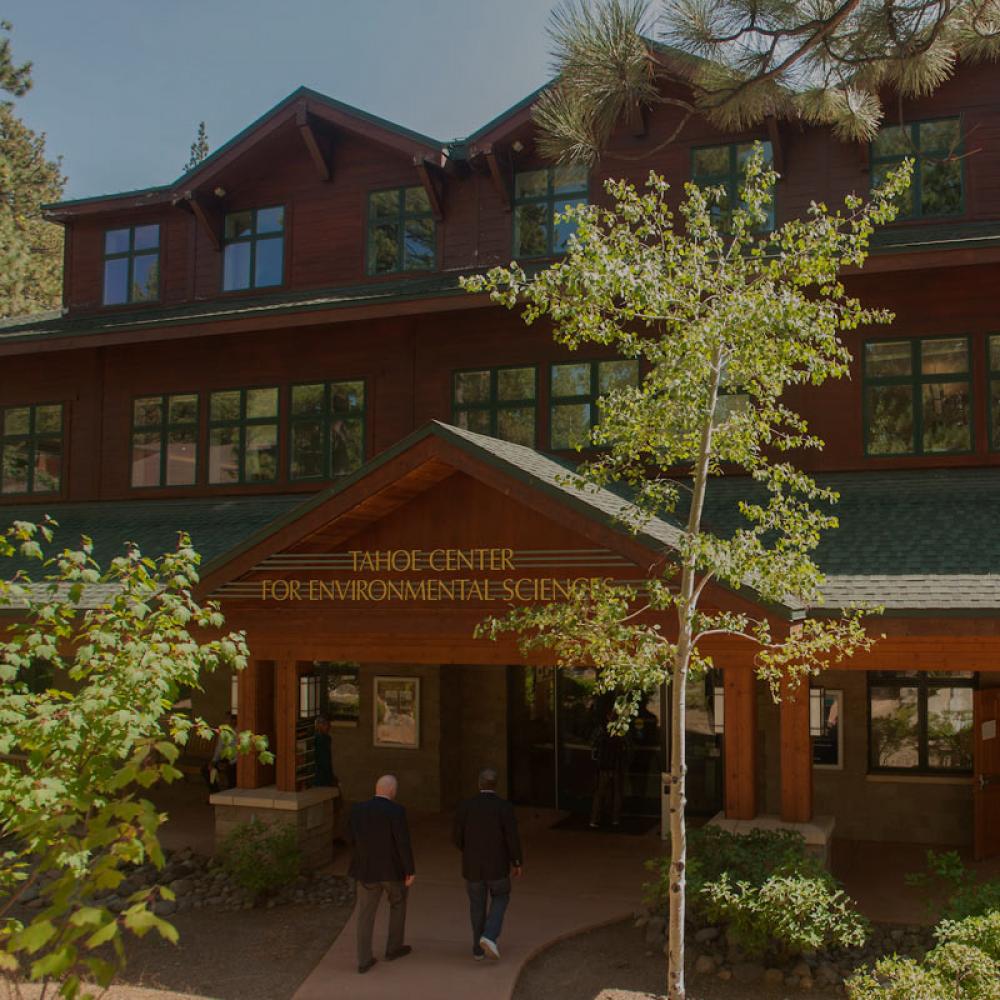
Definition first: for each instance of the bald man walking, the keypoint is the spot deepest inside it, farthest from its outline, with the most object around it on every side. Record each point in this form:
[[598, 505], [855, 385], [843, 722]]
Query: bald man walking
[[382, 862]]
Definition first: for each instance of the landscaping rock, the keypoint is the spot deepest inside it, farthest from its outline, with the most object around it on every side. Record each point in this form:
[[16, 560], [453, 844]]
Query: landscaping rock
[[748, 973], [706, 934], [774, 977], [704, 965]]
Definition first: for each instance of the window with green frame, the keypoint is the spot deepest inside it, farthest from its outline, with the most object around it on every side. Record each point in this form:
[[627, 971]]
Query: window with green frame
[[253, 253], [920, 721], [243, 436], [917, 396], [131, 264], [327, 429], [499, 402], [165, 440], [723, 166], [575, 392], [402, 235], [993, 360], [539, 196], [935, 146], [31, 448]]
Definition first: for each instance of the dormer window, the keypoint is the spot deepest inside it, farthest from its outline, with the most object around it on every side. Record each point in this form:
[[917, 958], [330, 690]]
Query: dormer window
[[539, 195], [254, 251], [131, 265], [401, 231], [724, 167]]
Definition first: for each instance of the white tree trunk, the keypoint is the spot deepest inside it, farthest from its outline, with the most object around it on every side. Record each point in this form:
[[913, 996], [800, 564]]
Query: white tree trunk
[[676, 989]]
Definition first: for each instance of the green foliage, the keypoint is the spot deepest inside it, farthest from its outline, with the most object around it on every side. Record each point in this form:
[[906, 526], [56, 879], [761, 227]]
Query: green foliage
[[741, 61], [262, 857], [964, 894], [788, 914], [76, 757], [965, 965], [773, 896], [199, 148], [30, 247]]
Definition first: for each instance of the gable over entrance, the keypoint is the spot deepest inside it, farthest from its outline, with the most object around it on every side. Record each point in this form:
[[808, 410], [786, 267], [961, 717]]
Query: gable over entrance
[[408, 557]]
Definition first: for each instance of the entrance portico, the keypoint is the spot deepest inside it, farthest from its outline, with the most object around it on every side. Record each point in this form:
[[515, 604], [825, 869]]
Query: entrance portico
[[391, 573]]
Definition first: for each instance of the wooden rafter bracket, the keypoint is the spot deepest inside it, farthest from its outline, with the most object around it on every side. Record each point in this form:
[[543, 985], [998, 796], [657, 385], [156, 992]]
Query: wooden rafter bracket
[[635, 116], [500, 184], [208, 217], [432, 179], [316, 145]]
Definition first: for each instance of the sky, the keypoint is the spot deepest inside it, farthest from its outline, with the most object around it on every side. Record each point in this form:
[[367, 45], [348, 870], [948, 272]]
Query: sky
[[120, 85]]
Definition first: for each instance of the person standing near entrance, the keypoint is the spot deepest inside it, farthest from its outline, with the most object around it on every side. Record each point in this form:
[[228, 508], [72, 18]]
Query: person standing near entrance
[[486, 834], [609, 753], [382, 862]]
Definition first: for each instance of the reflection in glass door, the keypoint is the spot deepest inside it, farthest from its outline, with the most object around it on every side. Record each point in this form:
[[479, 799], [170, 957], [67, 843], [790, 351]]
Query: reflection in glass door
[[554, 719], [704, 749]]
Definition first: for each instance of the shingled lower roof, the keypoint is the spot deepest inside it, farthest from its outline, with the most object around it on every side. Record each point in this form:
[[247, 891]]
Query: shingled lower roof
[[916, 542]]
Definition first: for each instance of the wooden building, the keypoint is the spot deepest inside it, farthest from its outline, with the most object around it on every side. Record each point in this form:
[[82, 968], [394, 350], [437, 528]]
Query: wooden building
[[273, 352]]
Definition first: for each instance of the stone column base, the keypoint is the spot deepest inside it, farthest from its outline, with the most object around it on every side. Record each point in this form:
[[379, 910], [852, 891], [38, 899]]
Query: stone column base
[[818, 832], [311, 812]]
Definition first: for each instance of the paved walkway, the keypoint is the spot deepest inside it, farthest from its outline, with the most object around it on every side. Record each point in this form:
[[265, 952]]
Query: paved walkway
[[573, 880]]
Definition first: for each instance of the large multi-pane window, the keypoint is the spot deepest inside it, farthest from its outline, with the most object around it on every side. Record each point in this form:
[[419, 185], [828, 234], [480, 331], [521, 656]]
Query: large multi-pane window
[[935, 146], [920, 721], [401, 231], [253, 255], [131, 264], [243, 436], [576, 390], [917, 396], [539, 196], [327, 429], [499, 402], [165, 440], [31, 448], [993, 360], [723, 167]]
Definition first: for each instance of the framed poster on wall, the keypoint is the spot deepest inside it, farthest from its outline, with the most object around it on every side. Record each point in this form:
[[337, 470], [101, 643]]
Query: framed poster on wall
[[396, 708]]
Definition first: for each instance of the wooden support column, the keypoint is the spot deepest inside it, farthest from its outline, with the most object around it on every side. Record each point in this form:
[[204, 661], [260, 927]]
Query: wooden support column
[[286, 710], [740, 750], [796, 754], [255, 711]]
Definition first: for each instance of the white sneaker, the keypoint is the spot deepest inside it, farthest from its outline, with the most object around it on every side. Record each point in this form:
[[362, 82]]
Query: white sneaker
[[490, 947]]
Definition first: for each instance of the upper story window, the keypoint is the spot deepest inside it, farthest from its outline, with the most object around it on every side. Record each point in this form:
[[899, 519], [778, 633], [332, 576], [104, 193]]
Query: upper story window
[[917, 396], [131, 265], [539, 195], [243, 436], [254, 251], [499, 402], [31, 448], [936, 187], [576, 390], [920, 721], [327, 429], [993, 360], [401, 232], [723, 166], [165, 440]]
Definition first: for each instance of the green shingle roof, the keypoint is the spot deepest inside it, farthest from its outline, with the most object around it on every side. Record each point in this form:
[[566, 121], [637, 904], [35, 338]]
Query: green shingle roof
[[917, 542]]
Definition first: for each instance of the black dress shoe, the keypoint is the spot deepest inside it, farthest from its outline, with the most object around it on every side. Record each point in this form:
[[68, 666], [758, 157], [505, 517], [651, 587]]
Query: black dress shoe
[[367, 965], [398, 953]]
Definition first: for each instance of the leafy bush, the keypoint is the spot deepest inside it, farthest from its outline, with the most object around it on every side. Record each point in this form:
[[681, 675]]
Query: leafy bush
[[262, 857], [765, 886], [965, 895], [786, 914]]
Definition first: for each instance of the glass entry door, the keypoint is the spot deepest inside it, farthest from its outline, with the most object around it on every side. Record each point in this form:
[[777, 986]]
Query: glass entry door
[[554, 717]]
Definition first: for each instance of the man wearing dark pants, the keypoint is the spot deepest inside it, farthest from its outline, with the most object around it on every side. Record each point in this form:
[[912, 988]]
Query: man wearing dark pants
[[486, 834], [382, 862]]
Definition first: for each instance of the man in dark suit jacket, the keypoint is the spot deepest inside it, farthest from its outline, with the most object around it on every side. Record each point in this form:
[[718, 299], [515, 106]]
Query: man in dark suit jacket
[[486, 834], [382, 861]]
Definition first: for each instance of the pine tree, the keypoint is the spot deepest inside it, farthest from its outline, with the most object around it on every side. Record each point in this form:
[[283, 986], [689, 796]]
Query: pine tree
[[818, 62], [199, 148], [30, 247]]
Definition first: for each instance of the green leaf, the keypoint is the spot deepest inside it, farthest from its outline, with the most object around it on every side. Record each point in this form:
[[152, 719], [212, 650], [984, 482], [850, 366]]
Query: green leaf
[[88, 916], [35, 936], [55, 963], [103, 934]]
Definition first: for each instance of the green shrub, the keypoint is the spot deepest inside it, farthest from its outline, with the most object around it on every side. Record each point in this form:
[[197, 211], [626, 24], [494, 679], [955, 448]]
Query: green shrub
[[786, 914], [764, 885], [965, 965], [964, 895], [261, 857]]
